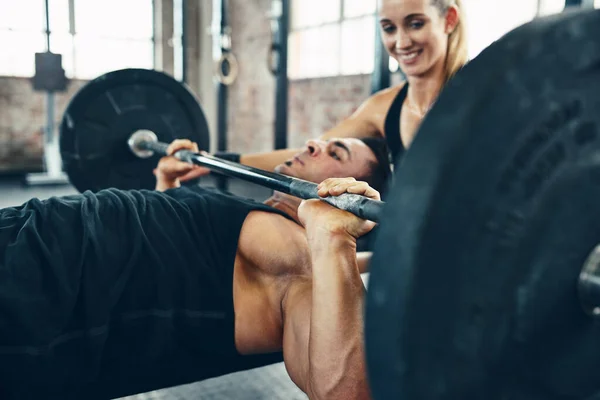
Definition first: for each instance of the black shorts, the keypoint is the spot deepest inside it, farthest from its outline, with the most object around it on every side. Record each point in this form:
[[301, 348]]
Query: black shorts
[[120, 292]]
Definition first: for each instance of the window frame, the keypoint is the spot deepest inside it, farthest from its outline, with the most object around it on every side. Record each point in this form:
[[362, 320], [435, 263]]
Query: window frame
[[338, 23], [72, 36]]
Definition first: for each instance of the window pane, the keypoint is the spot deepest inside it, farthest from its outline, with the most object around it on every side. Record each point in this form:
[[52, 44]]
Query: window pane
[[23, 14], [314, 52], [96, 56], [314, 12], [59, 16], [131, 19], [356, 8], [358, 46], [62, 43], [177, 42], [596, 3], [17, 57], [488, 20]]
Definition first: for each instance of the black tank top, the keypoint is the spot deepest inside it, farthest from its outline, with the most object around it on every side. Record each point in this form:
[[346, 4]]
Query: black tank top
[[119, 292], [392, 126]]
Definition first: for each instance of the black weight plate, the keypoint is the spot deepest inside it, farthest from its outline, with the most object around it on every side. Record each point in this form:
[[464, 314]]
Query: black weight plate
[[106, 111], [493, 212]]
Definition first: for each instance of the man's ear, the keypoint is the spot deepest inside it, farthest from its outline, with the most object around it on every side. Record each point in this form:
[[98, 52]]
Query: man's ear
[[452, 19]]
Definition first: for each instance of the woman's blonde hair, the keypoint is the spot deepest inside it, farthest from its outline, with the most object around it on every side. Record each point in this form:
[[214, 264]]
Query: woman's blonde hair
[[457, 53]]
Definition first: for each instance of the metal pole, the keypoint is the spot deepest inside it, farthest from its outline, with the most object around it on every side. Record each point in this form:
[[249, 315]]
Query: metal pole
[[281, 8], [220, 30], [52, 151], [72, 29], [47, 27], [52, 161], [223, 90], [221, 44], [184, 50], [381, 77]]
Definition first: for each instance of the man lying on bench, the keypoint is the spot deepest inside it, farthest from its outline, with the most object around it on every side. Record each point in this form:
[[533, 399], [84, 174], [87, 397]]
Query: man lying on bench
[[119, 292]]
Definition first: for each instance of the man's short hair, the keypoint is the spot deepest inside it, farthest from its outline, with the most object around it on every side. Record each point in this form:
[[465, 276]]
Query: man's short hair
[[380, 171]]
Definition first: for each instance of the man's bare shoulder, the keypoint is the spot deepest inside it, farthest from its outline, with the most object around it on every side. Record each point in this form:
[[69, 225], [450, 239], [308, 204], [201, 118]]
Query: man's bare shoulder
[[274, 243]]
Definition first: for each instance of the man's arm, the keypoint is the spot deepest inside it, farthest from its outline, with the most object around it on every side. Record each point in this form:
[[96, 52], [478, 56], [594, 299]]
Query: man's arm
[[323, 323], [323, 337]]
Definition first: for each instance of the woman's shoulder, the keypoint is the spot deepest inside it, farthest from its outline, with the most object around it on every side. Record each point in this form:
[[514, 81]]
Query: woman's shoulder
[[385, 97]]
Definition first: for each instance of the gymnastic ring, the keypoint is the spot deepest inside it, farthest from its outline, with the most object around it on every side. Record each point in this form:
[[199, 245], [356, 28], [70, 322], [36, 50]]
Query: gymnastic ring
[[233, 69]]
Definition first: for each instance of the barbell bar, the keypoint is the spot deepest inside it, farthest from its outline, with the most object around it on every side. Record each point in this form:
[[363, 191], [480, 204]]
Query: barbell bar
[[144, 144]]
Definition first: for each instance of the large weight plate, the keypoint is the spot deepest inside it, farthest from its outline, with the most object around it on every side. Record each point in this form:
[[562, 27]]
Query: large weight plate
[[472, 292], [106, 111]]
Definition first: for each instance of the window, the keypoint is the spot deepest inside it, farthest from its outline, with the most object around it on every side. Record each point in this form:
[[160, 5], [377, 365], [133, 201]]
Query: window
[[107, 39], [21, 35], [105, 36], [177, 42], [358, 8], [357, 46], [307, 13], [338, 39], [489, 20], [22, 15]]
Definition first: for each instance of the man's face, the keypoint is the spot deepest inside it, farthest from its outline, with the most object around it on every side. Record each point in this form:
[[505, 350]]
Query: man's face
[[335, 158]]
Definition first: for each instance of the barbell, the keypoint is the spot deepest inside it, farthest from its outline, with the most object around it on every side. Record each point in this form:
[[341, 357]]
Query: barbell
[[144, 144], [485, 276]]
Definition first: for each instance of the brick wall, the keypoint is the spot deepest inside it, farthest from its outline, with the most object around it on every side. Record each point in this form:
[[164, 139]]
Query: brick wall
[[316, 105], [22, 119]]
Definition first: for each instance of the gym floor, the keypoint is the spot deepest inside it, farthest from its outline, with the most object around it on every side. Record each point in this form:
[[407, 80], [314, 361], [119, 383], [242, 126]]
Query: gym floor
[[271, 382]]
